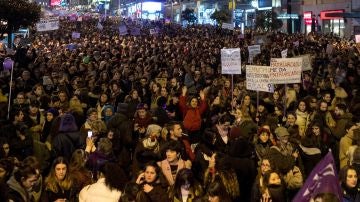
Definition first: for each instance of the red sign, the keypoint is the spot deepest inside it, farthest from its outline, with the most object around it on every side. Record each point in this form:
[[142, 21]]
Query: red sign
[[308, 17], [323, 14], [55, 2]]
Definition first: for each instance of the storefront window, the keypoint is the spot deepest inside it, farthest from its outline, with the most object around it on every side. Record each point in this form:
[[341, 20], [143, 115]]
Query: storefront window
[[335, 26]]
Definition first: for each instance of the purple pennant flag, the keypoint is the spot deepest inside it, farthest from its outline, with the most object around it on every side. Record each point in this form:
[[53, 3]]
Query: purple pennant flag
[[323, 179]]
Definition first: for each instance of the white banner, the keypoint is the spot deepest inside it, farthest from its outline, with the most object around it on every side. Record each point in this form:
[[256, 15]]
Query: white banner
[[230, 61], [306, 66], [47, 24], [253, 51], [285, 70], [258, 78], [228, 26]]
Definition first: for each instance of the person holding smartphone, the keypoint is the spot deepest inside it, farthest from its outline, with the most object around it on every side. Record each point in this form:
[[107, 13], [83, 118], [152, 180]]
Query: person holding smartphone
[[152, 184]]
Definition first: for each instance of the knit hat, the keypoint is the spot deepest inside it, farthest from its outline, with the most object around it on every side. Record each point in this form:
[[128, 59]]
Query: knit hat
[[281, 132], [53, 111]]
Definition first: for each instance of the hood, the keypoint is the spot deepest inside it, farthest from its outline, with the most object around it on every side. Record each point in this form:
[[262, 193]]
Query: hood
[[13, 184]]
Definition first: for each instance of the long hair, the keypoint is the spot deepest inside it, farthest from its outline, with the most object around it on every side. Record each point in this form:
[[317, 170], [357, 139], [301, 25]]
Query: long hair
[[52, 183], [185, 176], [216, 188], [77, 160], [115, 177]]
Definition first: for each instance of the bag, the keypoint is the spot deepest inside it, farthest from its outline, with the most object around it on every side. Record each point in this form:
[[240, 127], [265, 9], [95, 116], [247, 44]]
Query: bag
[[294, 178]]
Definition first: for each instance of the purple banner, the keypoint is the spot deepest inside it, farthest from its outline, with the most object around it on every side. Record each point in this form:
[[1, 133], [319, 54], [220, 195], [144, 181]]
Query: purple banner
[[323, 179]]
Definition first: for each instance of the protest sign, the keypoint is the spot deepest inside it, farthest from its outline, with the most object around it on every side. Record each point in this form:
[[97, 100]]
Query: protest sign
[[47, 24], [285, 70], [153, 31], [258, 78], [253, 51], [306, 62], [284, 53], [230, 61], [75, 35], [322, 179], [228, 26], [357, 38]]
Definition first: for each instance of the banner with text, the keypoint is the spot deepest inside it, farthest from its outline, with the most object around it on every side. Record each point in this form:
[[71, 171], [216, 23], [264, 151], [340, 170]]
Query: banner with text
[[285, 70], [306, 66], [258, 78], [47, 24], [230, 61], [253, 51]]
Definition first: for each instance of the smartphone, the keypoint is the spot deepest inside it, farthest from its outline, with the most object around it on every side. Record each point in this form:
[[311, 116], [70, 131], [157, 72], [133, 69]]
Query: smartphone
[[90, 134]]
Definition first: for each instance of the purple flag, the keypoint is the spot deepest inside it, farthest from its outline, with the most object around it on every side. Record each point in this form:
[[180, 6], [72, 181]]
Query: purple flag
[[323, 178]]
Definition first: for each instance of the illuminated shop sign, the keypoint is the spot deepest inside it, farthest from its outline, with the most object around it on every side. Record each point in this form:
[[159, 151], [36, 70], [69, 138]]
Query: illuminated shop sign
[[308, 17], [324, 16]]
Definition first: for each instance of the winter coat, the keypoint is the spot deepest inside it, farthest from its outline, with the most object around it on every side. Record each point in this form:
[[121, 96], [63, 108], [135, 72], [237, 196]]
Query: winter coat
[[165, 168], [99, 191], [157, 194], [345, 143], [192, 116], [17, 192], [302, 120], [339, 130]]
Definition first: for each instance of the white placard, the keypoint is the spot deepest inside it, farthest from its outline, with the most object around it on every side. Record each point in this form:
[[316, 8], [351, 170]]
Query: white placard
[[306, 62], [357, 38], [253, 51], [258, 78], [230, 61], [285, 70], [75, 35], [284, 53], [228, 26], [47, 24]]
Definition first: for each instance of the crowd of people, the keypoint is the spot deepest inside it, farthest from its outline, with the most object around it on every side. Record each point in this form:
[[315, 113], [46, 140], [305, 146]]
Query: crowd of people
[[109, 117]]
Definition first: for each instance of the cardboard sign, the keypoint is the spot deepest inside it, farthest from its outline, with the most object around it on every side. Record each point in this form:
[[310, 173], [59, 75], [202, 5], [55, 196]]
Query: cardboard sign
[[306, 62], [357, 38], [230, 61], [258, 78], [285, 70]]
